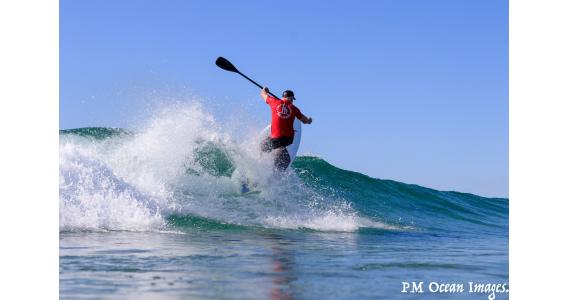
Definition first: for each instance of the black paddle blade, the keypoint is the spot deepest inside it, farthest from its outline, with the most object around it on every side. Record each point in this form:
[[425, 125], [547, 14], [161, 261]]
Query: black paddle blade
[[224, 64]]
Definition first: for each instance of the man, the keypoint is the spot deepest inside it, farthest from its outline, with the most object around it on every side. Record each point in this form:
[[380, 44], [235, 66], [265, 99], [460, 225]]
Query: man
[[282, 127]]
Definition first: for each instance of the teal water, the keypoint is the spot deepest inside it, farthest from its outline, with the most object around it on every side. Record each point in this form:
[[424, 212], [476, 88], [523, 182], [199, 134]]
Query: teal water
[[156, 214]]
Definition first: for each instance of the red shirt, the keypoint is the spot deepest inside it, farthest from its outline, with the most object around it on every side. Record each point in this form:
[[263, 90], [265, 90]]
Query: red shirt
[[283, 115]]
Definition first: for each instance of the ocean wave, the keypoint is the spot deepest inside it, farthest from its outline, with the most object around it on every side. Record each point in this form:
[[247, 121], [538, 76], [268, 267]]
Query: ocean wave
[[183, 170]]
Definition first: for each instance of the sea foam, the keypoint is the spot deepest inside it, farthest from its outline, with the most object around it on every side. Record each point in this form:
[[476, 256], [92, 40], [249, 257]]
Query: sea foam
[[135, 181]]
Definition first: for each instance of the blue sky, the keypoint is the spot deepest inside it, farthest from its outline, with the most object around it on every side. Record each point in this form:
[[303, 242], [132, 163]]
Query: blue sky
[[414, 91]]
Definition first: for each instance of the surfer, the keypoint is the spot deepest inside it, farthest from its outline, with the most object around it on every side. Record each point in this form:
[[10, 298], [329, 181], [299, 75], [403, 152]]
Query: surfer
[[282, 126]]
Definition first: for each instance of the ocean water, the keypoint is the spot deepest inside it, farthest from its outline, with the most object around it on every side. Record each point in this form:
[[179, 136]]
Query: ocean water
[[156, 213]]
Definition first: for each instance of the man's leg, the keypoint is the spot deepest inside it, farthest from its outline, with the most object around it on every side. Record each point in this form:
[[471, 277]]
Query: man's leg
[[281, 159], [281, 156]]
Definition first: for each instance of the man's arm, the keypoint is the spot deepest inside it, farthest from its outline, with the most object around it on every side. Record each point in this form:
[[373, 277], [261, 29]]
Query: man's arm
[[264, 93], [306, 120]]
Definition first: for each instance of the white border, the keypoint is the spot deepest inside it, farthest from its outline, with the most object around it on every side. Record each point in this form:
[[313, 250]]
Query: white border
[[538, 148], [29, 112], [29, 65]]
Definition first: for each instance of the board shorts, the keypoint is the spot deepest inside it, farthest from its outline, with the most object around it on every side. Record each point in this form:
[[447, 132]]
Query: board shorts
[[282, 157], [270, 144]]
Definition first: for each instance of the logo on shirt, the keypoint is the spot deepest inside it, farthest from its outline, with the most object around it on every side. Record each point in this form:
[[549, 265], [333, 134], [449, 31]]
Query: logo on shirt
[[284, 111]]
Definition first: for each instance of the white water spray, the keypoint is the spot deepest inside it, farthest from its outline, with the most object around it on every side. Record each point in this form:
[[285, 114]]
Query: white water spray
[[134, 182]]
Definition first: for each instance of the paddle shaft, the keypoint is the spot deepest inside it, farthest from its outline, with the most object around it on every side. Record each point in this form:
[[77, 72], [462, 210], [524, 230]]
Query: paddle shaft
[[255, 83]]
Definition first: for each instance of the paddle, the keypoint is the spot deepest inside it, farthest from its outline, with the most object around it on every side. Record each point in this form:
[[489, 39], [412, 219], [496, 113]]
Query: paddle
[[226, 65]]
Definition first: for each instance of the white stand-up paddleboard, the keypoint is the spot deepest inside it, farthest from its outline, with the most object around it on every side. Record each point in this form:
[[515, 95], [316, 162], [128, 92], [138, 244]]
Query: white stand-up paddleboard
[[292, 148]]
